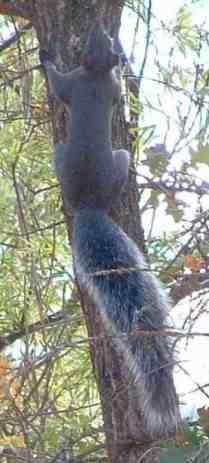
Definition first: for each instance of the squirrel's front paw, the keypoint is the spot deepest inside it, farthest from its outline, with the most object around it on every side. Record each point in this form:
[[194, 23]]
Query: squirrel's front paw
[[44, 57]]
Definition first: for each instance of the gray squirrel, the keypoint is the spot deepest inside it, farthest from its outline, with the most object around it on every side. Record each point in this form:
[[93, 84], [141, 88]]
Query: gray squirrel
[[108, 264]]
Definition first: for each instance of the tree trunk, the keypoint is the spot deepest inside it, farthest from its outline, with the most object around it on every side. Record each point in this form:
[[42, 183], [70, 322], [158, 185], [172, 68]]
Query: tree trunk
[[61, 26]]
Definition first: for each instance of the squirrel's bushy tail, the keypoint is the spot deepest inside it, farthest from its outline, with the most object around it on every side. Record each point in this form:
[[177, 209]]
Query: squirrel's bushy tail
[[106, 263]]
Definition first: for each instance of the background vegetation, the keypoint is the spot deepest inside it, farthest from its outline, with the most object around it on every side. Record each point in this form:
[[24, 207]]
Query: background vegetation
[[49, 401]]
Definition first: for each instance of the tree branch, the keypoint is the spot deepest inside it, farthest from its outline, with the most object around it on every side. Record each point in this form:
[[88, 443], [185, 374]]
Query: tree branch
[[186, 285], [7, 43], [147, 42], [49, 322]]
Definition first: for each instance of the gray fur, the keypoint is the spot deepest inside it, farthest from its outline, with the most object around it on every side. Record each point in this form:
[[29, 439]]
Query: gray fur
[[108, 264], [88, 169], [129, 301]]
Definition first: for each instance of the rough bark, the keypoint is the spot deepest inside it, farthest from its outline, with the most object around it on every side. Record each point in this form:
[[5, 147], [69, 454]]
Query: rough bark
[[61, 27]]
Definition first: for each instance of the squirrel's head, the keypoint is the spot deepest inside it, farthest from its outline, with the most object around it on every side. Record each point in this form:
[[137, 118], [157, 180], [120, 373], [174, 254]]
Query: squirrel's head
[[99, 55]]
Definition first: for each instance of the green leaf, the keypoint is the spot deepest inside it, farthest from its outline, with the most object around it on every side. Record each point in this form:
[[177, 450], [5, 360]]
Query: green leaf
[[175, 455], [157, 159], [174, 209], [201, 156]]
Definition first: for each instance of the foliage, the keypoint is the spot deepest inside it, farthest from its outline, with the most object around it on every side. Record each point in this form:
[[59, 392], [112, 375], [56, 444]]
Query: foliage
[[40, 318], [58, 396]]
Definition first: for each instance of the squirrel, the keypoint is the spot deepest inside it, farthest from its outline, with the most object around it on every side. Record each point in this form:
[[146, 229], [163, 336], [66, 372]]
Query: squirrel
[[89, 171], [108, 264]]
